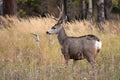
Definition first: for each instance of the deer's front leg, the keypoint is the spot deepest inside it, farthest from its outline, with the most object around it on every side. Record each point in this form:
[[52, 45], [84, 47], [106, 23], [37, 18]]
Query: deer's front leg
[[66, 56]]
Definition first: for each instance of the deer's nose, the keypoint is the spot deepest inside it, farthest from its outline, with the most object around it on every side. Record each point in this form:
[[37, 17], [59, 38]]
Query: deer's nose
[[47, 32]]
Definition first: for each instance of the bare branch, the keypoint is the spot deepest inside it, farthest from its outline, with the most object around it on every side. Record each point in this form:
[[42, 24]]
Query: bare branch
[[36, 37]]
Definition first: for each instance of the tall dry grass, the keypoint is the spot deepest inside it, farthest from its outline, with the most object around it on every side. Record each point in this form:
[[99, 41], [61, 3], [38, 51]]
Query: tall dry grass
[[21, 58]]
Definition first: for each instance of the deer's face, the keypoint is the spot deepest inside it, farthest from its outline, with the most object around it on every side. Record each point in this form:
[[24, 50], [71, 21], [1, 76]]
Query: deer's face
[[55, 29]]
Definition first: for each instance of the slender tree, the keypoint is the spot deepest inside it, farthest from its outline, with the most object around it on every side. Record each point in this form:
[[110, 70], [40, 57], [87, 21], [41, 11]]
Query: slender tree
[[119, 3], [1, 7], [69, 10], [90, 15], [83, 10], [9, 7], [90, 9], [108, 8], [64, 3], [100, 14]]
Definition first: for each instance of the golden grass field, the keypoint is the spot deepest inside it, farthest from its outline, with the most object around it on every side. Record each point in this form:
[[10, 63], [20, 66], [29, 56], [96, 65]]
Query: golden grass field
[[21, 58]]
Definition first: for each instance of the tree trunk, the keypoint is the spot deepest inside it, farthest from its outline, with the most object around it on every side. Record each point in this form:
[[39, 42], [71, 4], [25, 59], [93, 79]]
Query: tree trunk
[[83, 9], [95, 8], [90, 15], [9, 7], [69, 10], [90, 9], [1, 7], [100, 14], [108, 8], [119, 3], [64, 2], [65, 7]]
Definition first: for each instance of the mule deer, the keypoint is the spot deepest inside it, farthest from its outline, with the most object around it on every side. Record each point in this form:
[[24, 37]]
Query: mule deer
[[77, 48]]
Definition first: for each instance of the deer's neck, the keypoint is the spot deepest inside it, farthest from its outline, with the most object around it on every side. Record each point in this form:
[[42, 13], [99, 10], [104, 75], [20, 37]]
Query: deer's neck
[[62, 36]]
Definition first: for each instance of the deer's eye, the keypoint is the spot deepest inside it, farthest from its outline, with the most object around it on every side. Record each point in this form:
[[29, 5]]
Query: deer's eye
[[53, 28]]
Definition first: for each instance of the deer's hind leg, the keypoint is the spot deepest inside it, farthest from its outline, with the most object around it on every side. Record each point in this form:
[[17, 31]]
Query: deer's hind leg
[[74, 65], [94, 65]]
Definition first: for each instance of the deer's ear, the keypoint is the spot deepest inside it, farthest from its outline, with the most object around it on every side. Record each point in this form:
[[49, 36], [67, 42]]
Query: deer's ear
[[65, 20]]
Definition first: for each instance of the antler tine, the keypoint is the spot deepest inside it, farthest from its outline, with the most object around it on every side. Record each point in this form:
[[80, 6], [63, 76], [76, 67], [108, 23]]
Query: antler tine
[[52, 16], [61, 12], [59, 8]]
